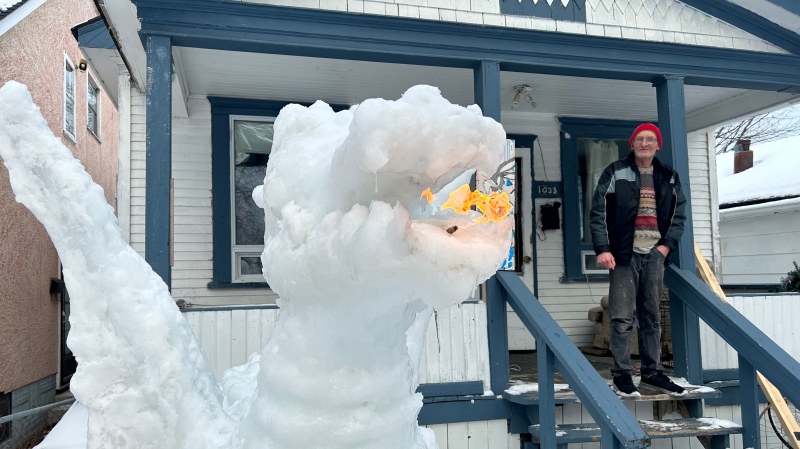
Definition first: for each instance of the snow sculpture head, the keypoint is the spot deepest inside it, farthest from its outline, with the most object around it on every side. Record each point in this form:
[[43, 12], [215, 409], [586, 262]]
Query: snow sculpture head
[[342, 198]]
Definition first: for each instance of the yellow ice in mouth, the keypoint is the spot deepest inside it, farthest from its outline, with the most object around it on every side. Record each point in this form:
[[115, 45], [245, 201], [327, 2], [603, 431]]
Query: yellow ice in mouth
[[494, 207]]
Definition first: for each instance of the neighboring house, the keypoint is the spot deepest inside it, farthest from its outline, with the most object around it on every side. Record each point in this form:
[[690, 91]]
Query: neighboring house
[[203, 71], [38, 50], [759, 217]]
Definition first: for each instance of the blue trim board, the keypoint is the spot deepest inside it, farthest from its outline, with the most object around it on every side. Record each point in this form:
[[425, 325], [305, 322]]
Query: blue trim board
[[473, 388], [487, 88], [158, 159], [750, 22], [93, 34], [467, 410], [793, 6], [675, 152], [497, 323], [574, 11], [249, 27], [221, 110]]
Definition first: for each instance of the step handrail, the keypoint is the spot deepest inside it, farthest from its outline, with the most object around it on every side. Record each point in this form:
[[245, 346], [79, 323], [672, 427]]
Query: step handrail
[[773, 395], [741, 334], [606, 408]]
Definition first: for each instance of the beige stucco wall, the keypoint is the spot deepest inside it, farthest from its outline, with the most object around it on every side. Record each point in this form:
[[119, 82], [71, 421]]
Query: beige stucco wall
[[32, 52]]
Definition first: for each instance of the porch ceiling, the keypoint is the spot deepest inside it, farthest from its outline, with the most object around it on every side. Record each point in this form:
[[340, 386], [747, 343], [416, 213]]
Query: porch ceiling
[[278, 77]]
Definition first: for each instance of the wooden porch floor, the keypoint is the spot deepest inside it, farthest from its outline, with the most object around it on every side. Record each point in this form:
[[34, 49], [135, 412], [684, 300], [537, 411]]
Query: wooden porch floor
[[523, 367]]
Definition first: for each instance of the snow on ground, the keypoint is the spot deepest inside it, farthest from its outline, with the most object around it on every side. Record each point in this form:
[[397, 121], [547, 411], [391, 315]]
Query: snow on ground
[[358, 264], [775, 173], [70, 432]]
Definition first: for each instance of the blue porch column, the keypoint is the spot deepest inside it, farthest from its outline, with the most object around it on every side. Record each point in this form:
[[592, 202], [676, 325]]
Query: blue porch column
[[159, 155], [486, 75], [685, 323]]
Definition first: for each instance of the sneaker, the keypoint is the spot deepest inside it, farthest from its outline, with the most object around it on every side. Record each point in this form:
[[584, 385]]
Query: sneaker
[[624, 384], [660, 382]]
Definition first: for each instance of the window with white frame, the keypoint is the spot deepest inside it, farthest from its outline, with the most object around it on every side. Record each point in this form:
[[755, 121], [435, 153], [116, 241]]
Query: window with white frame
[[93, 106], [250, 143], [69, 97]]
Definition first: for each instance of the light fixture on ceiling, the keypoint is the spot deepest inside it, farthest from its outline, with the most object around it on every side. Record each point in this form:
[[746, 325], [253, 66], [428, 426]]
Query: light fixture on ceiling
[[524, 90]]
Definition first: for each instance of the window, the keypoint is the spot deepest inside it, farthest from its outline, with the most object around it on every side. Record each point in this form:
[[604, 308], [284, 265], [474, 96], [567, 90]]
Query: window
[[587, 148], [69, 97], [93, 107], [251, 143], [241, 141]]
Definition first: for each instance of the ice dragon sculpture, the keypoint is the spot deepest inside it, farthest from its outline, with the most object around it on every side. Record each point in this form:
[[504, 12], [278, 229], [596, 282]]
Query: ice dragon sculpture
[[358, 259]]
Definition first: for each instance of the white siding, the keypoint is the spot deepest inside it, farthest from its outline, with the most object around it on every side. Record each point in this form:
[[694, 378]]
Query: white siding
[[455, 348], [760, 242], [475, 435], [193, 227], [652, 20], [699, 186], [230, 337], [734, 413], [773, 314]]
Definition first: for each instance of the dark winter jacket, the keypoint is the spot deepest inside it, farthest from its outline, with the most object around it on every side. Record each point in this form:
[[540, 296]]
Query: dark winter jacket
[[616, 203]]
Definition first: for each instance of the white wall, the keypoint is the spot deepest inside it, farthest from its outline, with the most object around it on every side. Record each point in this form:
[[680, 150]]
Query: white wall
[[651, 20], [760, 242], [772, 314], [455, 348], [475, 435]]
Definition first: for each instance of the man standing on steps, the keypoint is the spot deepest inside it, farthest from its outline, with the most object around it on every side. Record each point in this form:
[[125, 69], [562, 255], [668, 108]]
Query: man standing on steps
[[637, 218]]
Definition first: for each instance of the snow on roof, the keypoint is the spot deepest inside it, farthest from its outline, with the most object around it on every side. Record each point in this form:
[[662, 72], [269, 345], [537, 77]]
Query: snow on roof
[[5, 4], [775, 173]]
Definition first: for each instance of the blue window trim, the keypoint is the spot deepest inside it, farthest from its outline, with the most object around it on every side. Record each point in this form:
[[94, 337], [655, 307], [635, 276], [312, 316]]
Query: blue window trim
[[575, 11], [243, 26], [571, 130], [221, 110]]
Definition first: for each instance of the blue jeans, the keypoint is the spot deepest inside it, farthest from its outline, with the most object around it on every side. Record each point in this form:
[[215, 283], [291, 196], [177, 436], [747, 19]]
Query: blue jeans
[[637, 284]]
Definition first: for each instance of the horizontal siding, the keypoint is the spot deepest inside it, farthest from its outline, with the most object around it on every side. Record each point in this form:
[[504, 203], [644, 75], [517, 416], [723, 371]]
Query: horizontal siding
[[759, 249], [773, 314], [700, 191], [193, 225]]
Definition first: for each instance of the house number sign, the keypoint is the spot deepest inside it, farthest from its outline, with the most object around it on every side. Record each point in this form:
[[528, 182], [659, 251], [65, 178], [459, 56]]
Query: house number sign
[[550, 189]]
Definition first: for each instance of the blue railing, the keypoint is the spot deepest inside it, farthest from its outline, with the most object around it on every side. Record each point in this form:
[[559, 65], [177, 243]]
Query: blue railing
[[756, 350], [555, 350]]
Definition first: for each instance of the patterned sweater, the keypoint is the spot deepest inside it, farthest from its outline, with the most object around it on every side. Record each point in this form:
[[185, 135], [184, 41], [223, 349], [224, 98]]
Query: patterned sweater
[[645, 234]]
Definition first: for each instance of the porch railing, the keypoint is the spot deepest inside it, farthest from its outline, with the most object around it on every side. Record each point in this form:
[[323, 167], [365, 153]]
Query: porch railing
[[755, 349], [555, 350]]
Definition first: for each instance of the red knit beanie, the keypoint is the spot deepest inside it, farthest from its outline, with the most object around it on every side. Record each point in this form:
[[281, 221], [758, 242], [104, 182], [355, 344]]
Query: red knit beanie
[[646, 127]]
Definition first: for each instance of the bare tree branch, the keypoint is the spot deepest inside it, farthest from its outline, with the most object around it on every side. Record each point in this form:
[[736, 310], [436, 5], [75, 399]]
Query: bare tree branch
[[760, 129]]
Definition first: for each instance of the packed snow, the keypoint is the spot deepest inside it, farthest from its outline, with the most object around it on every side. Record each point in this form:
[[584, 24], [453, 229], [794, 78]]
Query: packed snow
[[773, 175], [359, 264], [714, 423], [523, 388]]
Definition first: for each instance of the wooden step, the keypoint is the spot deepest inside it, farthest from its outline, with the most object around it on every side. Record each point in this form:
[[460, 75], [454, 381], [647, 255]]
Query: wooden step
[[569, 397], [717, 429]]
